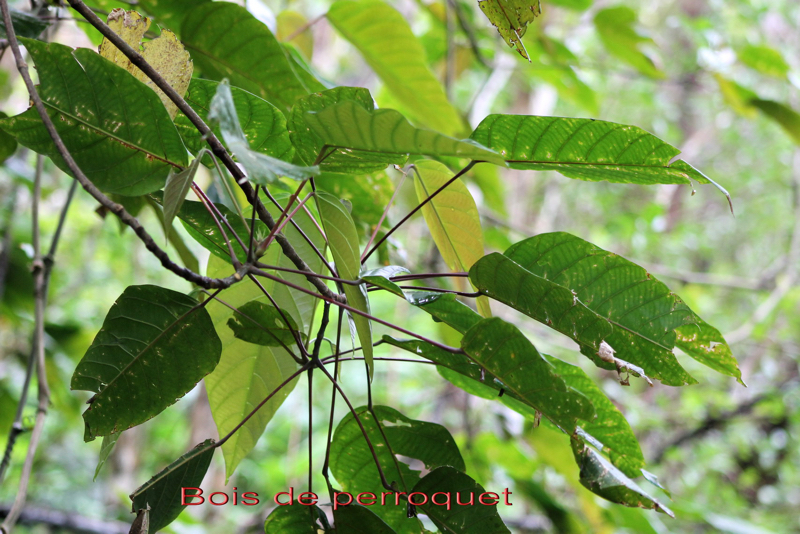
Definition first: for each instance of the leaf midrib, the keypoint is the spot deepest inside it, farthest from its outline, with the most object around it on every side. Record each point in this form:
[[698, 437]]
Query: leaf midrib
[[109, 135]]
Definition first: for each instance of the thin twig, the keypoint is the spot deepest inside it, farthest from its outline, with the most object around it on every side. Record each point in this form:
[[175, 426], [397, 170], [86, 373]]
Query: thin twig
[[458, 175]]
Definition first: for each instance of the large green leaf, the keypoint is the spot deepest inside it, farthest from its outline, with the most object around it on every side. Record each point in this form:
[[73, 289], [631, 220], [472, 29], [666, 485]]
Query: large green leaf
[[479, 518], [164, 492], [154, 346], [615, 27], [348, 126], [353, 466], [227, 41], [310, 145], [585, 149], [294, 519], [610, 426], [262, 124], [452, 217], [343, 241], [633, 301], [264, 325], [25, 25], [169, 12], [605, 480], [357, 519], [511, 18], [261, 168], [385, 40], [246, 373], [115, 127]]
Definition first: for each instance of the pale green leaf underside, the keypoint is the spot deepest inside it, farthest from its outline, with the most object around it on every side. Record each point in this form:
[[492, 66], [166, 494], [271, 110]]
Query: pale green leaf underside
[[348, 126], [262, 124], [154, 346], [385, 40], [115, 127], [227, 41], [175, 191], [343, 241], [246, 373], [628, 296]]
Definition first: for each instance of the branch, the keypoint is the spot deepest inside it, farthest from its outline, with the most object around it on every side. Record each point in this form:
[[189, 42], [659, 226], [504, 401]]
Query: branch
[[458, 175], [216, 146], [67, 521]]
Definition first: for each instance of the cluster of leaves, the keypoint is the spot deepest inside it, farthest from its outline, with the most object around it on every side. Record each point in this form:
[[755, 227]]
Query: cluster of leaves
[[282, 124]]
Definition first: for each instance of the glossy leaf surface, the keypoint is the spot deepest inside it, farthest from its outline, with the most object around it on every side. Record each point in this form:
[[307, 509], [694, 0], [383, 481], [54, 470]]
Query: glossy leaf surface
[[154, 346], [227, 41], [115, 127], [163, 493]]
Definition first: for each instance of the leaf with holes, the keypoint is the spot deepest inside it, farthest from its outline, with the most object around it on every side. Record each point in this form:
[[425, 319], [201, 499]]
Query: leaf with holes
[[115, 127], [347, 126], [163, 494], [154, 346], [353, 466], [260, 167], [227, 41], [384, 38], [511, 18], [164, 53], [343, 240], [647, 318], [262, 124], [480, 518]]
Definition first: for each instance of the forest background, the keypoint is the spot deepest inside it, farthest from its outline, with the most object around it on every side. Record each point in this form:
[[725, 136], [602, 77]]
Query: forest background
[[695, 73]]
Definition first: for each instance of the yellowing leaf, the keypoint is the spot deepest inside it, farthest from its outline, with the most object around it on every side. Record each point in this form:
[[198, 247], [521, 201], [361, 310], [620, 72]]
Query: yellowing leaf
[[511, 18], [165, 53], [452, 218]]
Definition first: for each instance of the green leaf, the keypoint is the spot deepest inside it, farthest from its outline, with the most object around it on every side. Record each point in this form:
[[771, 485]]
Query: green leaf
[[310, 146], [246, 373], [476, 519], [507, 355], [511, 18], [261, 324], [175, 191], [610, 426], [105, 450], [261, 168], [614, 25], [154, 346], [226, 41], [357, 519], [25, 25], [605, 480], [384, 38], [765, 60], [560, 308], [169, 12], [8, 145], [640, 307], [163, 493], [353, 466], [115, 127], [343, 240], [262, 124], [585, 149], [348, 126], [295, 519], [445, 308], [381, 278], [785, 116], [452, 218]]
